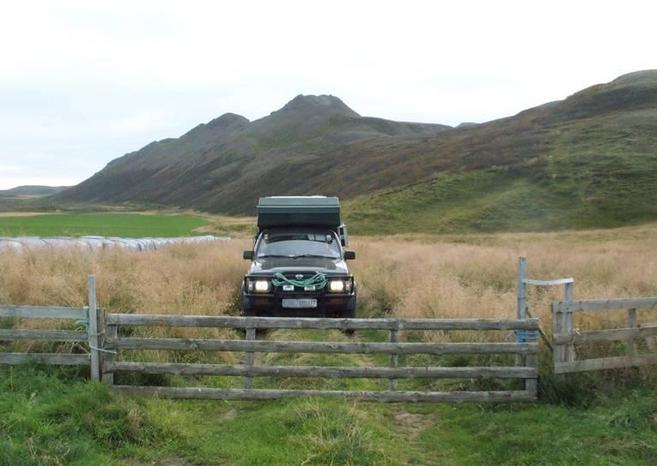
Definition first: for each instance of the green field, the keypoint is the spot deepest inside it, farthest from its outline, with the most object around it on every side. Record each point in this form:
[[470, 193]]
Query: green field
[[129, 225], [54, 417]]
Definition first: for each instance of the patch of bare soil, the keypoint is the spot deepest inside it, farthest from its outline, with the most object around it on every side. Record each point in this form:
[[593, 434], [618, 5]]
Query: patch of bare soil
[[173, 462], [229, 415], [411, 424]]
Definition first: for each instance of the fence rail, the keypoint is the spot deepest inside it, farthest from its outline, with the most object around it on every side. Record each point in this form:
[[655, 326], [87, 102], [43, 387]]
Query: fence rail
[[55, 359], [168, 320], [566, 337], [389, 396], [43, 312], [607, 304], [269, 346], [325, 371]]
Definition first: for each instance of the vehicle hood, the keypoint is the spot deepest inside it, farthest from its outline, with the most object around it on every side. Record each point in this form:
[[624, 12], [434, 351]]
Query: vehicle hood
[[284, 264]]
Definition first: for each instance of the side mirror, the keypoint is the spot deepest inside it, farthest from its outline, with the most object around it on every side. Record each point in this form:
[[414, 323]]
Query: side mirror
[[247, 255], [349, 255]]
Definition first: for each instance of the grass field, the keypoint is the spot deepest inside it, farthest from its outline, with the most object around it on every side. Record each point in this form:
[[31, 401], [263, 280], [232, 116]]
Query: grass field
[[132, 225], [57, 417]]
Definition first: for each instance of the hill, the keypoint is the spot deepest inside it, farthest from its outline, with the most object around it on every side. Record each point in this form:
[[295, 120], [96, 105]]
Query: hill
[[31, 191], [224, 165], [586, 161]]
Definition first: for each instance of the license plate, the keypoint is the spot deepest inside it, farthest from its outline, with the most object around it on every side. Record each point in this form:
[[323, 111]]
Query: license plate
[[299, 303]]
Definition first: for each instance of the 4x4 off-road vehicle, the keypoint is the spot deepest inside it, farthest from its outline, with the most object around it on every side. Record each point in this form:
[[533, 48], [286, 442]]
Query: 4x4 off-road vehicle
[[298, 259]]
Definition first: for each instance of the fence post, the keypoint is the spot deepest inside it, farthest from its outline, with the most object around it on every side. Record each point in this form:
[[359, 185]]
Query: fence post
[[650, 343], [393, 337], [100, 327], [567, 326], [522, 289], [531, 385], [111, 333], [249, 358], [632, 322], [92, 328], [521, 308], [557, 330]]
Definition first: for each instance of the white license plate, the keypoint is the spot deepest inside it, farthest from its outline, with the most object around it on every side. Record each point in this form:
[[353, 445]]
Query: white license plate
[[299, 303]]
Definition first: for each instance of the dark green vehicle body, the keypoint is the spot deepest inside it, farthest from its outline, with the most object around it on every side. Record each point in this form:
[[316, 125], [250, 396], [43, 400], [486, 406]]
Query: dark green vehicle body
[[298, 261]]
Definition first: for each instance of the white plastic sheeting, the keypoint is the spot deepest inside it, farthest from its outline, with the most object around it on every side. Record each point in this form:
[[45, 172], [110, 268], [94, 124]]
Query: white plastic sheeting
[[99, 242]]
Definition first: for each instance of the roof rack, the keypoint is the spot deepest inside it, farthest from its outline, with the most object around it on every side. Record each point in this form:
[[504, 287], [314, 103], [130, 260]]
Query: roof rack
[[284, 211]]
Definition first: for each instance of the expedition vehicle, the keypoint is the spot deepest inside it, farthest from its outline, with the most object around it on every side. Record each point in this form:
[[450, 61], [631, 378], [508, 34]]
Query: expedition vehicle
[[298, 261]]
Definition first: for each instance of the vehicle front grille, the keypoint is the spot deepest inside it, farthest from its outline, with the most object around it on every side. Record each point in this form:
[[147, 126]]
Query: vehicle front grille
[[298, 276]]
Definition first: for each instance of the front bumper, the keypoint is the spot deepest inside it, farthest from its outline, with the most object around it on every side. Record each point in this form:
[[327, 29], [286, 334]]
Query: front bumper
[[328, 304]]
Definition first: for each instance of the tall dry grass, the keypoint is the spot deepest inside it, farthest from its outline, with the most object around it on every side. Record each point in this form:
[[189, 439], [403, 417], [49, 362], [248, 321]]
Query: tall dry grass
[[475, 276], [416, 276], [189, 279]]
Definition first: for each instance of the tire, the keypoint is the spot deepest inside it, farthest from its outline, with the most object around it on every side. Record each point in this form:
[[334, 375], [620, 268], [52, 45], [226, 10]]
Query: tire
[[348, 314]]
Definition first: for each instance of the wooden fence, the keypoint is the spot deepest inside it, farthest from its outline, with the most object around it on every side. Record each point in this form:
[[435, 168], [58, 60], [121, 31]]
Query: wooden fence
[[101, 344], [566, 336], [86, 336], [97, 343], [32, 312], [250, 345]]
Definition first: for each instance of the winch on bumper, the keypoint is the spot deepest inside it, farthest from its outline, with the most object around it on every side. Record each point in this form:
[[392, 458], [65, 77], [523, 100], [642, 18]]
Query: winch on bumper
[[267, 296]]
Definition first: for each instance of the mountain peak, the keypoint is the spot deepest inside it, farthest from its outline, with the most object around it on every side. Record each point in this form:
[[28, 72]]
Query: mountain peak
[[318, 104], [227, 120]]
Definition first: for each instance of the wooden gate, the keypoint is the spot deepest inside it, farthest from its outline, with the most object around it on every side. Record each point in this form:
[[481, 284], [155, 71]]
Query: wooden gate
[[393, 347]]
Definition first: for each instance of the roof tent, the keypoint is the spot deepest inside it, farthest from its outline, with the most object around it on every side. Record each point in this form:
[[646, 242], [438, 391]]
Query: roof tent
[[280, 211]]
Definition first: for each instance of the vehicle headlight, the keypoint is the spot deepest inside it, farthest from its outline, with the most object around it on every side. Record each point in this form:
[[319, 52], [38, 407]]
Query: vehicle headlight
[[261, 286], [258, 286], [336, 286]]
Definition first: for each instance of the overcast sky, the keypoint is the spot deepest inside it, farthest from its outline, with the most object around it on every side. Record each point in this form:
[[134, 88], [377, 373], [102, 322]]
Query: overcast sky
[[84, 82]]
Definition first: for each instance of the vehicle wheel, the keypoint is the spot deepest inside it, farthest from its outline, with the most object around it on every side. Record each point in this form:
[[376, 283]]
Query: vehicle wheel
[[348, 314]]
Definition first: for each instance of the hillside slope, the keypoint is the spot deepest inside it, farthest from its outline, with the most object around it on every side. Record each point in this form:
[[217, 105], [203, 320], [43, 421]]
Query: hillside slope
[[226, 164], [589, 160]]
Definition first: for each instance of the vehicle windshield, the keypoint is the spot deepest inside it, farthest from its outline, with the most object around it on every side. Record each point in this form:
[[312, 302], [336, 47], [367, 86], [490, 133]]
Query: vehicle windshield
[[291, 244]]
